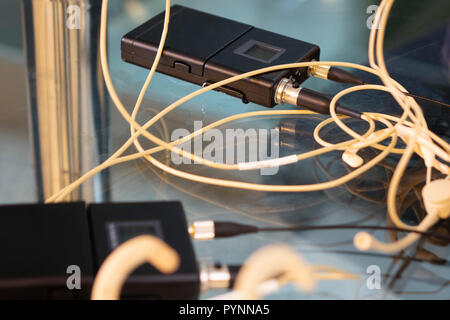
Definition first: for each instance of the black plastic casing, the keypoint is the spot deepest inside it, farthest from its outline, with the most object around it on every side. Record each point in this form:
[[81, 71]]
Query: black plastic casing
[[147, 282], [38, 242], [202, 48]]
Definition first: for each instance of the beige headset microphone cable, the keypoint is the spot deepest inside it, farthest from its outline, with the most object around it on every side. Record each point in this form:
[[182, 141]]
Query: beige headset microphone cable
[[364, 241], [141, 92], [289, 267], [392, 87], [403, 242], [126, 258]]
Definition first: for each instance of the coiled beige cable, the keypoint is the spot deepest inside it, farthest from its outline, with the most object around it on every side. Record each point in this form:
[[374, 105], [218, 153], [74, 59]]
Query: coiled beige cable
[[283, 263], [126, 258], [411, 114]]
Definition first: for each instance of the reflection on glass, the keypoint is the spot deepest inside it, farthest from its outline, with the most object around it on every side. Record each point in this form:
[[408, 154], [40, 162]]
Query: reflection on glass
[[66, 96]]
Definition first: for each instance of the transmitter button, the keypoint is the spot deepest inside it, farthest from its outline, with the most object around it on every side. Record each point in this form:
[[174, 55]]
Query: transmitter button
[[230, 91], [183, 67]]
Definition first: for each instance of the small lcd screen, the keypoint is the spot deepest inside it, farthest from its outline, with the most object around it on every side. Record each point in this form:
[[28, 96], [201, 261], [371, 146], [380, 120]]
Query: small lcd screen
[[119, 232], [261, 52]]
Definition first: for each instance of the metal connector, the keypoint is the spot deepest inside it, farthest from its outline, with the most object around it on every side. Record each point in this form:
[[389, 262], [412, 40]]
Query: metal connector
[[214, 277], [319, 71], [202, 230], [286, 92]]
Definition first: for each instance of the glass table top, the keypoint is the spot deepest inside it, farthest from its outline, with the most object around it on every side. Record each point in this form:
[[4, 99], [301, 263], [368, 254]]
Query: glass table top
[[418, 56]]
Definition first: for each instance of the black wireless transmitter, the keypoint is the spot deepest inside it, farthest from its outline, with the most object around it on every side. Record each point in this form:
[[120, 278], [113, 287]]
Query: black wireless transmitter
[[53, 251], [203, 49]]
